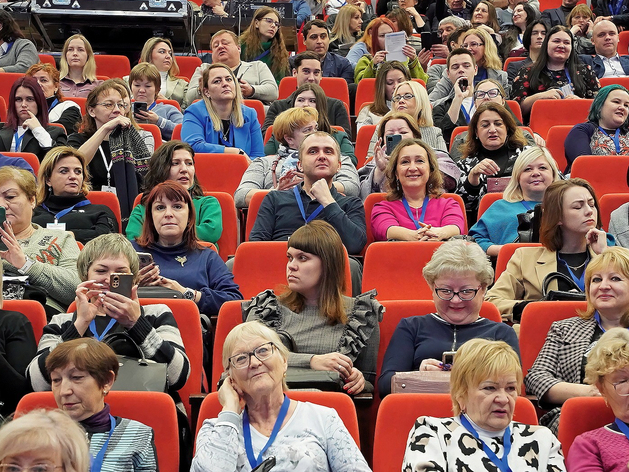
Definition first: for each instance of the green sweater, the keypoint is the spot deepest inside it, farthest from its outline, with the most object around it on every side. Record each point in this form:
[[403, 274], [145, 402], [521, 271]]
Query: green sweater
[[364, 69], [266, 58], [209, 220]]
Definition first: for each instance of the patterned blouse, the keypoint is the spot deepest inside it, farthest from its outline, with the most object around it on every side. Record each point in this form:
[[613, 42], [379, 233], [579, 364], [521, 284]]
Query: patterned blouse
[[602, 144]]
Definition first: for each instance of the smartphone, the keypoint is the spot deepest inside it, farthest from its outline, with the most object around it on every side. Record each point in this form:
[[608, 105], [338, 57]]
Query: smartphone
[[463, 84], [427, 40], [121, 283], [146, 259], [3, 218], [447, 358], [139, 106], [392, 141]]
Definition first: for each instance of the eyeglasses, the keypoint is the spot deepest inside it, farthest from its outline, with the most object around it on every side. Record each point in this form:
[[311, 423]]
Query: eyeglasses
[[622, 388], [43, 467], [242, 360], [406, 96], [271, 21], [466, 294], [110, 106], [473, 45], [491, 93]]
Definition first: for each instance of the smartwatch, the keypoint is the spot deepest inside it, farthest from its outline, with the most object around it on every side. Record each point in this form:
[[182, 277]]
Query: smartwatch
[[27, 265]]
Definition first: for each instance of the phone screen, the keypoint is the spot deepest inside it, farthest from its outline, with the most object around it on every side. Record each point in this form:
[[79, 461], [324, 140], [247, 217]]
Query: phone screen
[[3, 217], [139, 106], [426, 40]]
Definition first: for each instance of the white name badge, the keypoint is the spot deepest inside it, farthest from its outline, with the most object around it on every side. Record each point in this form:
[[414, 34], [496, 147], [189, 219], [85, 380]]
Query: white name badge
[[107, 188], [59, 226]]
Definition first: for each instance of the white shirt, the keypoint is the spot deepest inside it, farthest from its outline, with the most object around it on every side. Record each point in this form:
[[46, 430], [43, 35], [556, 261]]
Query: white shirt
[[613, 68]]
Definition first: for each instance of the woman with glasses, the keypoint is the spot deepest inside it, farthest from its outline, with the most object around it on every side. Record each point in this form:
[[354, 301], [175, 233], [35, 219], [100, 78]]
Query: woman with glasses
[[255, 409], [558, 372], [325, 329], [106, 137], [263, 41], [607, 367], [556, 74], [27, 128], [458, 275]]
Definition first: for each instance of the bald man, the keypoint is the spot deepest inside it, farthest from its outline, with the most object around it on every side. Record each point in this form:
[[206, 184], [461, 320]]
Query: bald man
[[606, 62]]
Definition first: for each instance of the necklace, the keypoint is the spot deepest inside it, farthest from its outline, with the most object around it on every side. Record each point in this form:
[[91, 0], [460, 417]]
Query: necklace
[[577, 267]]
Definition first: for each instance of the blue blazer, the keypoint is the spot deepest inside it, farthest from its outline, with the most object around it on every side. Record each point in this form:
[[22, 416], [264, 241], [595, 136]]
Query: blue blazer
[[197, 130], [596, 63]]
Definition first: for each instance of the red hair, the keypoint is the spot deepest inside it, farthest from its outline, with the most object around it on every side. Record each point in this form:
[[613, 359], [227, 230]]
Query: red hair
[[375, 26], [42, 107]]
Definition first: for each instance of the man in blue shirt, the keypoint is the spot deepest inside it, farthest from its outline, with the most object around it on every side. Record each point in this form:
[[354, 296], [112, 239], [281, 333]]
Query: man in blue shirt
[[317, 39]]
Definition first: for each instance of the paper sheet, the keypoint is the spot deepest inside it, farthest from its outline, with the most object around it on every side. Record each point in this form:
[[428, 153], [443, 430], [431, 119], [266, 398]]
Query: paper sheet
[[393, 44]]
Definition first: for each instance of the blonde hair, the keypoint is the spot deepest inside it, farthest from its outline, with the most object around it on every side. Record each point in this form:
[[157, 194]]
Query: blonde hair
[[610, 354], [459, 257], [236, 117], [89, 69], [478, 360], [513, 192], [423, 111], [340, 30], [612, 258], [107, 245], [147, 53], [490, 59], [46, 430], [289, 120], [48, 166], [23, 178]]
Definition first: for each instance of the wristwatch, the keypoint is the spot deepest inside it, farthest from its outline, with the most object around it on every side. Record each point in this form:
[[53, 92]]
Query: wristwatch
[[189, 294], [27, 265]]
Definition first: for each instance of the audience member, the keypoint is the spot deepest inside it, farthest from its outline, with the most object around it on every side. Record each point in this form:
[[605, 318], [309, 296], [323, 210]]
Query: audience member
[[82, 372], [77, 68], [406, 18], [447, 26], [312, 434], [505, 15], [532, 40], [557, 16], [580, 21], [15, 162], [534, 170], [325, 329], [220, 123], [619, 225], [17, 53], [62, 188], [570, 238], [281, 171], [27, 128], [100, 311], [317, 39], [414, 209], [485, 15], [606, 62], [346, 30], [485, 384], [437, 71], [558, 372], [255, 78], [456, 269], [604, 8], [512, 37], [442, 8], [159, 52]]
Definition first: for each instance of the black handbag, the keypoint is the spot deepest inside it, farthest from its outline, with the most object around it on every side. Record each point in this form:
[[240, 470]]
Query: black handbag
[[561, 295], [528, 225], [137, 374]]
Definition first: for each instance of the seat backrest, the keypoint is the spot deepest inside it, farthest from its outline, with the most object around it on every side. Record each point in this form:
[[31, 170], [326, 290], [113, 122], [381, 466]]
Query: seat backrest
[[546, 113], [3, 110], [33, 310], [623, 43], [506, 251], [228, 241], [112, 65], [261, 265], [608, 203], [363, 138], [258, 106], [365, 92], [287, 86], [252, 211], [535, 323], [458, 130], [229, 316], [555, 143], [6, 82], [486, 201], [108, 199], [80, 101], [395, 269], [509, 60], [342, 403], [268, 134], [515, 108], [155, 131], [624, 81], [336, 87], [138, 406], [397, 415], [166, 101], [369, 202], [188, 65], [177, 132], [438, 60], [28, 157], [220, 172], [606, 174], [47, 59], [574, 422]]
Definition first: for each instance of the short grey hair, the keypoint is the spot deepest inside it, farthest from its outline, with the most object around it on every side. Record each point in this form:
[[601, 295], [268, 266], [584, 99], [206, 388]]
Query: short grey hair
[[107, 245], [453, 20], [458, 257]]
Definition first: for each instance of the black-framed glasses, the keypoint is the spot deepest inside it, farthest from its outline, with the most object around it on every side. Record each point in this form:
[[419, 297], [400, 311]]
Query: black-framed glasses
[[406, 96], [466, 294], [491, 93], [473, 45], [242, 360], [110, 106], [271, 21], [43, 467], [622, 388]]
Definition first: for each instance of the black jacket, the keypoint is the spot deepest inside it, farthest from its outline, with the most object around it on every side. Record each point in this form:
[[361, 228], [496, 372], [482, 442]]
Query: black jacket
[[29, 143]]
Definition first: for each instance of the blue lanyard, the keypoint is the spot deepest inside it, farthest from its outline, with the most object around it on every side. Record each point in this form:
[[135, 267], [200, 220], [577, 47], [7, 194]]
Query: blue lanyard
[[481, 75], [276, 429], [615, 7], [152, 106], [63, 213], [568, 77], [615, 138], [97, 462], [503, 464], [300, 204], [9, 46], [580, 281], [410, 213], [526, 205], [18, 141], [622, 427], [260, 56], [53, 104], [105, 331], [465, 114]]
